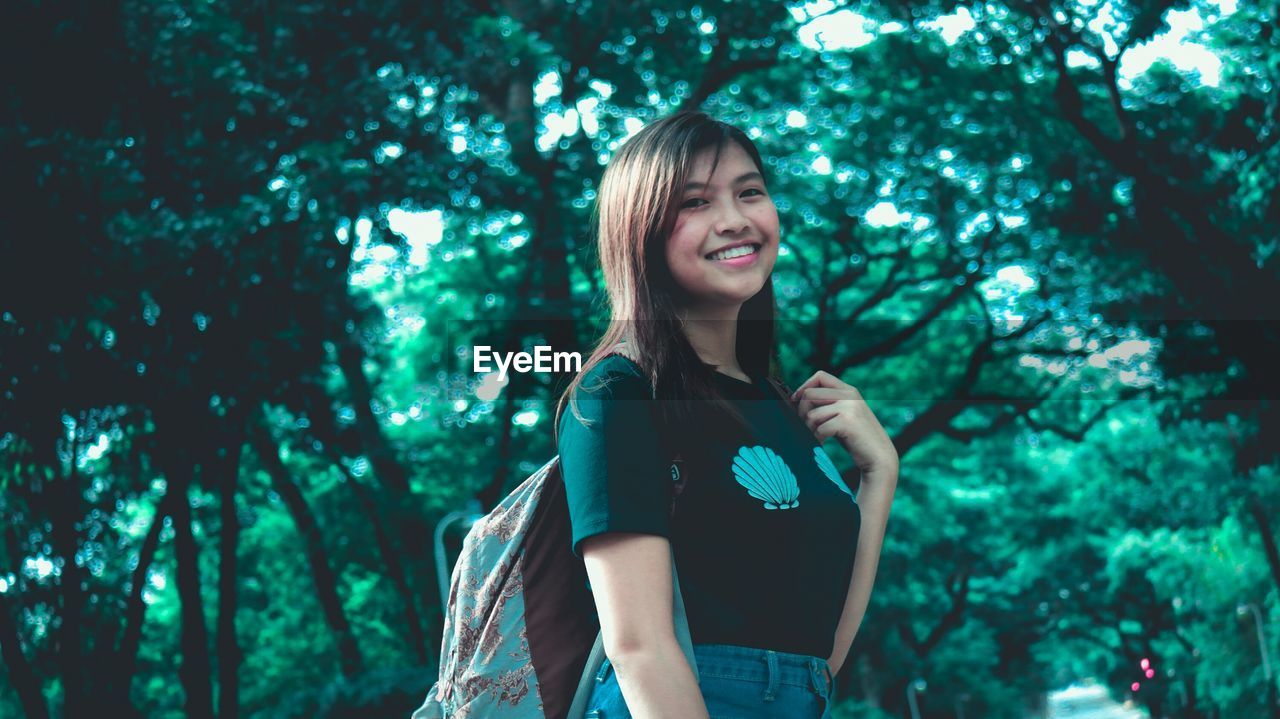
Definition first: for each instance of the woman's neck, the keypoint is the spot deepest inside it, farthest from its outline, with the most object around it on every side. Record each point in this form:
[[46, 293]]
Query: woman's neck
[[714, 336]]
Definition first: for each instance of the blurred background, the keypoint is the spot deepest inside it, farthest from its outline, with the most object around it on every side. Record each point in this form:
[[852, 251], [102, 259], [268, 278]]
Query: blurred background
[[248, 247]]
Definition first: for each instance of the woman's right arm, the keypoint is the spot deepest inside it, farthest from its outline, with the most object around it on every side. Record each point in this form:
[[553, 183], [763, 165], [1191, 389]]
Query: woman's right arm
[[630, 577], [618, 487]]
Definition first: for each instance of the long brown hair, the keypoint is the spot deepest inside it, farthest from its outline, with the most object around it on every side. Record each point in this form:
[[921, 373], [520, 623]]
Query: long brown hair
[[635, 211]]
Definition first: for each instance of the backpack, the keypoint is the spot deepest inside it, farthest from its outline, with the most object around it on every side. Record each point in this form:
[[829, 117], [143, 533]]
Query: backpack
[[521, 637]]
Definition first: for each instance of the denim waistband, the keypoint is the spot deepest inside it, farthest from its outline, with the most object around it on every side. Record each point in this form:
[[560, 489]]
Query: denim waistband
[[765, 666]]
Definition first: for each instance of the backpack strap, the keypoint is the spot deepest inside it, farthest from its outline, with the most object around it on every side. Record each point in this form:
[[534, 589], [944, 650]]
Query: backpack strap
[[683, 637]]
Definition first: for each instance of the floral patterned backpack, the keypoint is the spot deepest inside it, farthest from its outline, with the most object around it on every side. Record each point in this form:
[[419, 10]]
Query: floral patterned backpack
[[520, 620]]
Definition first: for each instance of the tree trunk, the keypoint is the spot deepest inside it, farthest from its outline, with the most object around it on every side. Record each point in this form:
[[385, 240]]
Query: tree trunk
[[64, 508], [195, 670], [126, 658], [406, 527], [1268, 539], [324, 429], [395, 568], [381, 456], [24, 680], [228, 650], [343, 331], [321, 573]]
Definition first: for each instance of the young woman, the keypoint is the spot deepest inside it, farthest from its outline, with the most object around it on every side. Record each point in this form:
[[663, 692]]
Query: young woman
[[680, 403]]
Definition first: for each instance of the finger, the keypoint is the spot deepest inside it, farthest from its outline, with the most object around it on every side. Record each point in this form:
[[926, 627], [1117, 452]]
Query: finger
[[808, 404], [804, 407], [827, 395], [821, 378], [805, 385], [819, 416], [807, 407], [820, 397], [828, 429]]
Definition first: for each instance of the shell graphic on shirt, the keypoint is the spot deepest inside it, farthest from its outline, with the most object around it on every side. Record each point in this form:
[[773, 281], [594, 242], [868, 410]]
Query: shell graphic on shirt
[[766, 477], [829, 468]]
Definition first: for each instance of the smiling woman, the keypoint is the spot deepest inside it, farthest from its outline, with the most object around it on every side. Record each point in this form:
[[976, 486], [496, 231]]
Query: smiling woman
[[725, 240], [679, 443]]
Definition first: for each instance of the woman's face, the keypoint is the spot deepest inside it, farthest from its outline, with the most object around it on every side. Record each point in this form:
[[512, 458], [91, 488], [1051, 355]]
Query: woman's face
[[728, 211]]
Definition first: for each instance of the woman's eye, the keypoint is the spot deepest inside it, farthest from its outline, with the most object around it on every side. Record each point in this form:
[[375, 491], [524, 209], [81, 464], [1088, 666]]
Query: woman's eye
[[688, 203]]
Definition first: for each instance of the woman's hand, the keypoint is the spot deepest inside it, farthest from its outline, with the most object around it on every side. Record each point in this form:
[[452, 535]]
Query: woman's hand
[[831, 408]]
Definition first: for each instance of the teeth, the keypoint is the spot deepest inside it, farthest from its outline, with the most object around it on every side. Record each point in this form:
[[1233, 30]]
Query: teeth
[[729, 254]]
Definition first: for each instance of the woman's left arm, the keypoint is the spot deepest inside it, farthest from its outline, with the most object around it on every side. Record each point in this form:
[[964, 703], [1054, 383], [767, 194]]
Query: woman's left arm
[[832, 408], [874, 497]]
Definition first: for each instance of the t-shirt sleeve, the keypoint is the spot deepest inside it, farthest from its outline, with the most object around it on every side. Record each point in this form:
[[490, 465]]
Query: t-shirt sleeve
[[617, 477]]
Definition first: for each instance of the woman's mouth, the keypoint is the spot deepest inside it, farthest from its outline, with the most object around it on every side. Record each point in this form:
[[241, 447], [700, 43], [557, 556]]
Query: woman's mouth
[[738, 255]]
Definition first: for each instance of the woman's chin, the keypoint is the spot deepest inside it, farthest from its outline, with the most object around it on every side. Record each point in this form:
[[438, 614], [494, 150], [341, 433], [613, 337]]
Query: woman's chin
[[721, 303]]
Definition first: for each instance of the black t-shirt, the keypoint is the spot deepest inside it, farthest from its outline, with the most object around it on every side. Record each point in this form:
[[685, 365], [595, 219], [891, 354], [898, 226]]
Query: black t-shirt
[[764, 530]]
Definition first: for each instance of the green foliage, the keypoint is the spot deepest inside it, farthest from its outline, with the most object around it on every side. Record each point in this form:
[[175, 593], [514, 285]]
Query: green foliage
[[1048, 284]]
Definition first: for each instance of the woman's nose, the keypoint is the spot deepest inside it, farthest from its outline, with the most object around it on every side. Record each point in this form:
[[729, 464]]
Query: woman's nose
[[731, 221]]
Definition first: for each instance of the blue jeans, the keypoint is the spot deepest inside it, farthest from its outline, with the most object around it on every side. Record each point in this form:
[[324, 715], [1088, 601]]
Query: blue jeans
[[739, 683]]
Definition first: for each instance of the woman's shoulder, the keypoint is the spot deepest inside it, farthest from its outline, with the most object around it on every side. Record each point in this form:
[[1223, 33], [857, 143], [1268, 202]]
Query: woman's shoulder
[[614, 377], [612, 389]]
